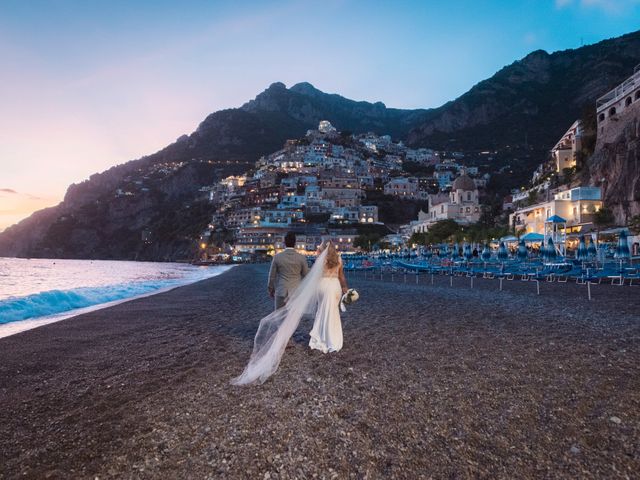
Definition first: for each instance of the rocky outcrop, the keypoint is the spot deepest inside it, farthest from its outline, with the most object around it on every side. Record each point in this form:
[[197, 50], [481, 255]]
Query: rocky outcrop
[[615, 165]]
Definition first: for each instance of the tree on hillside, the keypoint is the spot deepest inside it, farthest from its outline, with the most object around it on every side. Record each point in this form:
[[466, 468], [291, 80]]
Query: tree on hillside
[[603, 217], [418, 238], [367, 241]]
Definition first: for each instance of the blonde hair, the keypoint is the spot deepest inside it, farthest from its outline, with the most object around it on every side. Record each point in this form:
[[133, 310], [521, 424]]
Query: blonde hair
[[333, 259]]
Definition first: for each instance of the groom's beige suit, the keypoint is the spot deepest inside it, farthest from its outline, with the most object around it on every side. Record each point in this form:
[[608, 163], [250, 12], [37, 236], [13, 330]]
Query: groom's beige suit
[[288, 268]]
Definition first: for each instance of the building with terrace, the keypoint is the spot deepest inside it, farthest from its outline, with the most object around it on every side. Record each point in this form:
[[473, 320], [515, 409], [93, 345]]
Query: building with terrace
[[615, 103], [577, 205]]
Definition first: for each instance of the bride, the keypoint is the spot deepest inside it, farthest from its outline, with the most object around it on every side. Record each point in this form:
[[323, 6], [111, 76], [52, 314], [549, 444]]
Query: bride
[[319, 294]]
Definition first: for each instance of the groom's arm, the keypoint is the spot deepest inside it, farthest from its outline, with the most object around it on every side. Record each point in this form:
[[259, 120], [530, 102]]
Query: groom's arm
[[304, 267], [273, 271]]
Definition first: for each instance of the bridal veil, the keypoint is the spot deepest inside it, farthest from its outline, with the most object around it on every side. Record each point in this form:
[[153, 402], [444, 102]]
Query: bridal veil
[[278, 327]]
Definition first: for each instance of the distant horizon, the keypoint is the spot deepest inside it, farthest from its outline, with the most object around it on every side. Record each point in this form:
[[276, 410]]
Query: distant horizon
[[123, 81]]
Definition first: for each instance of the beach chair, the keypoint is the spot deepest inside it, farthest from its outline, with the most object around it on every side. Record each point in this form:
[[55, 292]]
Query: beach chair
[[574, 272], [632, 275]]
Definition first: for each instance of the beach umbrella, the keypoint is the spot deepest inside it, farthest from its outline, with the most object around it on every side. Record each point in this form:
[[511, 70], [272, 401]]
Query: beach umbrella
[[533, 237], [550, 252], [582, 254], [522, 250], [454, 251], [622, 250], [592, 251], [486, 253], [467, 252], [502, 252]]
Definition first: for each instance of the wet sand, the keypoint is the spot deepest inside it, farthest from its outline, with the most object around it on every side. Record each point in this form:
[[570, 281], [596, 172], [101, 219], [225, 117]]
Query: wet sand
[[433, 382]]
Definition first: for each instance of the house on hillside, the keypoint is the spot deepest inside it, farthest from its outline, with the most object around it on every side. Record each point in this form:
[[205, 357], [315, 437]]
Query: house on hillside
[[564, 153]]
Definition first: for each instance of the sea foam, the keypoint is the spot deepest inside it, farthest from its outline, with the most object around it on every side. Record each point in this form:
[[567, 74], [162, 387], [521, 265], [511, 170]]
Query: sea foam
[[52, 302]]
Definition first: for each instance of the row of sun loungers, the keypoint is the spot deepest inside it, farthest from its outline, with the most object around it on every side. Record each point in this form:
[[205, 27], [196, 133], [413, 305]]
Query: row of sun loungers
[[560, 272]]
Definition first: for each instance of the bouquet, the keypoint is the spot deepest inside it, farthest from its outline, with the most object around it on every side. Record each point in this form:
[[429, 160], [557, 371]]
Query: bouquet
[[351, 296]]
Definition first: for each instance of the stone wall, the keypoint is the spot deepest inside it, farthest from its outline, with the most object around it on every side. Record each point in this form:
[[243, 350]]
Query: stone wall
[[613, 126]]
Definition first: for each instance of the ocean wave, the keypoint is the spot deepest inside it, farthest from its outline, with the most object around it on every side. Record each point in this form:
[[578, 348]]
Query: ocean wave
[[53, 302]]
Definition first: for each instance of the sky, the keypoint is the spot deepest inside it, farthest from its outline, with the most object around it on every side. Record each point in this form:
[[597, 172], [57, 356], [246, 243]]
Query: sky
[[88, 85]]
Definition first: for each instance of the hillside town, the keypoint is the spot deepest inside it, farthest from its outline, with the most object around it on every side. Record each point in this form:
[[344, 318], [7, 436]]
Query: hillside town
[[324, 187], [327, 186]]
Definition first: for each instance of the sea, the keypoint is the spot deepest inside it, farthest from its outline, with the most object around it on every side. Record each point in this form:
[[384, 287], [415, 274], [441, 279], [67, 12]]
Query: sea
[[36, 292]]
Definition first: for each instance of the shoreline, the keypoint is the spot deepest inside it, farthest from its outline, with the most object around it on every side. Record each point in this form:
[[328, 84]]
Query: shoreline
[[18, 326], [433, 381]]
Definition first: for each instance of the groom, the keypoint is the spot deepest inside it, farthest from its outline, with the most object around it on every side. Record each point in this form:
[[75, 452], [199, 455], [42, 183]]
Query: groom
[[287, 270]]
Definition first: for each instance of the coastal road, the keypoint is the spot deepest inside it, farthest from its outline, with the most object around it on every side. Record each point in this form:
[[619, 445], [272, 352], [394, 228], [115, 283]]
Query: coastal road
[[433, 381]]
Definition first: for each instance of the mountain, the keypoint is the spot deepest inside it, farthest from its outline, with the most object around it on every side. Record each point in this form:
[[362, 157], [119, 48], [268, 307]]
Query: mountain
[[532, 101], [528, 105], [107, 215], [263, 124]]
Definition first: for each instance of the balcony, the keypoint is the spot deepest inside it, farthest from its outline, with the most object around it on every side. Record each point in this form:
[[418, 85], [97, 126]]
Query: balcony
[[620, 91]]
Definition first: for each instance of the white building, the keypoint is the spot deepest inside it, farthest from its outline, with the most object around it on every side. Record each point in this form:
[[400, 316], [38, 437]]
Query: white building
[[343, 197], [276, 217], [326, 127], [405, 187], [362, 214], [421, 155], [461, 205], [244, 216], [564, 153], [292, 201], [576, 206]]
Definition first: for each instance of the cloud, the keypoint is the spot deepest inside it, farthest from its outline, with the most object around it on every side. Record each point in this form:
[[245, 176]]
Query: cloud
[[12, 192], [610, 7]]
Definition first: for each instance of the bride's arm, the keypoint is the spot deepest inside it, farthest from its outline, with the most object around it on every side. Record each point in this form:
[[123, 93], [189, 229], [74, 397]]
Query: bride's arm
[[342, 278]]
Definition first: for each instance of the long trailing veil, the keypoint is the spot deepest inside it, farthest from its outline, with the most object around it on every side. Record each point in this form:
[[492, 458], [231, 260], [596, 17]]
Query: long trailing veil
[[277, 328]]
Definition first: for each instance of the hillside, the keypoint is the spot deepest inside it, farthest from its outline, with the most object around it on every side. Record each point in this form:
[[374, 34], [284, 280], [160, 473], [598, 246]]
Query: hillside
[[524, 107], [532, 101], [94, 221]]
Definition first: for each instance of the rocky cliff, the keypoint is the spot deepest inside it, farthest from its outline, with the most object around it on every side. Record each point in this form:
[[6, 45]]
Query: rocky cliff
[[615, 164]]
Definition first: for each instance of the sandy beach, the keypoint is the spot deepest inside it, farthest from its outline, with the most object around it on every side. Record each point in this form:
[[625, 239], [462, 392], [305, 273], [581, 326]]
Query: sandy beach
[[433, 382]]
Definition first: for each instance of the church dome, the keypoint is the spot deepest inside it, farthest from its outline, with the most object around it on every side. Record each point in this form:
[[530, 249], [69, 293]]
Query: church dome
[[464, 182]]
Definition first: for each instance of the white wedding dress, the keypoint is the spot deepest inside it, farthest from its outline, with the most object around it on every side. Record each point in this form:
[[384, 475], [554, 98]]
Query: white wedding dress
[[319, 295], [326, 334]]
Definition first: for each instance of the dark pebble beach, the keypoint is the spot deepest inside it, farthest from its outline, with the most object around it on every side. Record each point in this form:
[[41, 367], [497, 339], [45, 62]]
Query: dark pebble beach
[[434, 381]]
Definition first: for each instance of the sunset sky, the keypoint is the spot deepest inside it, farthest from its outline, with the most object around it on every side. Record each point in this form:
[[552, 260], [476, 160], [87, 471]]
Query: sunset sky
[[87, 85]]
